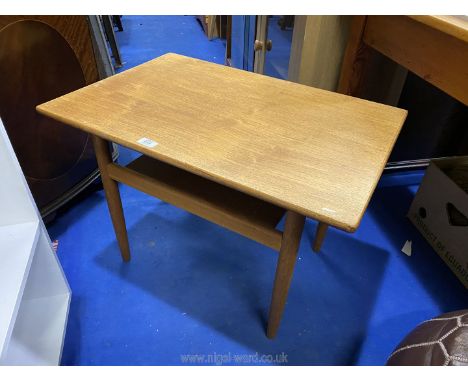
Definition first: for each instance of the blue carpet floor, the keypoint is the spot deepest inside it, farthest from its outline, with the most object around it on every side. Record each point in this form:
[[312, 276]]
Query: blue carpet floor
[[193, 288], [147, 37]]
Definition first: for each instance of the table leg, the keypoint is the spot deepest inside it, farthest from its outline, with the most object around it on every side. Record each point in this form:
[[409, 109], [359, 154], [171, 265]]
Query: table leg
[[284, 269], [111, 189], [319, 236]]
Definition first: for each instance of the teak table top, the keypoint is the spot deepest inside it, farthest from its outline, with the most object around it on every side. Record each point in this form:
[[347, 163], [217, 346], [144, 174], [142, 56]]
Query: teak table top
[[311, 151]]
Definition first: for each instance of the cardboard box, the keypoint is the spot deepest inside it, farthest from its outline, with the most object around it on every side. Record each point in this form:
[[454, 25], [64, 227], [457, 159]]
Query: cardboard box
[[440, 212]]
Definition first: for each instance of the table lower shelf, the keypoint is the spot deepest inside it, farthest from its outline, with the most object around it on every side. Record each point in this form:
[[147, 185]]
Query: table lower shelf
[[239, 212]]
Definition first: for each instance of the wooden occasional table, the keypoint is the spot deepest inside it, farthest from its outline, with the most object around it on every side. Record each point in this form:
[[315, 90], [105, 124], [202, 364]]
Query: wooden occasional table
[[240, 151]]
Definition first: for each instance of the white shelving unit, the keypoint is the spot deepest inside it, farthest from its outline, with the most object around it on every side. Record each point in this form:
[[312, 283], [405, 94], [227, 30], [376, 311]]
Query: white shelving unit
[[34, 294]]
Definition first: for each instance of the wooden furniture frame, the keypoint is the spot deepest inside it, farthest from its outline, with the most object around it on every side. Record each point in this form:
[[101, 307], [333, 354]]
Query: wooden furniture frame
[[433, 47], [240, 151]]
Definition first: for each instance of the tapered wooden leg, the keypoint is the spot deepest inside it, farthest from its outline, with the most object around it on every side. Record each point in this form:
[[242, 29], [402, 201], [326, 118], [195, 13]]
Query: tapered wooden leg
[[284, 269], [111, 189], [319, 236]]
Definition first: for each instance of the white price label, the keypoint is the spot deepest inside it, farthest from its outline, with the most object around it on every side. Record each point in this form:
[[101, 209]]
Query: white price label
[[147, 142]]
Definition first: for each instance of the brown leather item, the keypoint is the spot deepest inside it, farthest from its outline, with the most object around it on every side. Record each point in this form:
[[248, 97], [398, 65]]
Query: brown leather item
[[438, 342], [41, 58]]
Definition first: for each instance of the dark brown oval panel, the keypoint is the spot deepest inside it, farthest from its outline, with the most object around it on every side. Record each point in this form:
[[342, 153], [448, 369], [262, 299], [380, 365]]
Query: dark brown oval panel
[[36, 65]]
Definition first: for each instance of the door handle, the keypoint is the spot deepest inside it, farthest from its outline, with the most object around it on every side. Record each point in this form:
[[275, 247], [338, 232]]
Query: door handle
[[258, 45]]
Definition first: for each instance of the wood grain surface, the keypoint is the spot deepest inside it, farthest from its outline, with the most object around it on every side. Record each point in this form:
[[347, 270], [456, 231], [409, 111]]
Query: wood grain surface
[[48, 56], [75, 30], [355, 59], [311, 151]]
